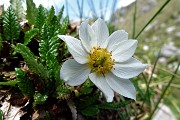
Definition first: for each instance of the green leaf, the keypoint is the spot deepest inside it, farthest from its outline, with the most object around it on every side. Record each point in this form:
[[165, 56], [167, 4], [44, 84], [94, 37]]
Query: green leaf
[[40, 17], [48, 43], [51, 15], [30, 60], [1, 114], [18, 8], [59, 17], [39, 98], [9, 83], [86, 87], [88, 101], [29, 35], [64, 26], [90, 111], [114, 105], [31, 11], [52, 64], [24, 84], [10, 25]]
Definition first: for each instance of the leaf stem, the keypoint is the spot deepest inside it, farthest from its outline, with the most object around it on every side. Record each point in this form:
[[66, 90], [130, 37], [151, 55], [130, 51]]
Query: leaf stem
[[167, 1], [164, 91]]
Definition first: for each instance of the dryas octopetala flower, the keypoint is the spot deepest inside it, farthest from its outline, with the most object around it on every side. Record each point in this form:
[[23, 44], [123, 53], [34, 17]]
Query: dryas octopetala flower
[[106, 60]]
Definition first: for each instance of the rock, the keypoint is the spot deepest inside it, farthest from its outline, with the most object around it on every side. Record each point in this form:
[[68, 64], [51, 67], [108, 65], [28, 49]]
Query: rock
[[170, 29], [168, 50], [163, 113], [177, 34], [148, 7]]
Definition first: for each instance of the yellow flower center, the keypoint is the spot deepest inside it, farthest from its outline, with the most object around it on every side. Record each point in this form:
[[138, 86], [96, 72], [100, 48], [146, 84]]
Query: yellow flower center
[[100, 60]]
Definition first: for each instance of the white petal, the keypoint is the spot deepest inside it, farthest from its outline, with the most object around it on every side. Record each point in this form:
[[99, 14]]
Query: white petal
[[101, 31], [124, 50], [87, 36], [101, 83], [74, 73], [75, 48], [128, 69], [115, 38], [121, 86]]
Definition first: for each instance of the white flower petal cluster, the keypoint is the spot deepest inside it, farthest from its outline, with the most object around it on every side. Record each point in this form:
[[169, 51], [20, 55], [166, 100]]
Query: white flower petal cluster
[[106, 60]]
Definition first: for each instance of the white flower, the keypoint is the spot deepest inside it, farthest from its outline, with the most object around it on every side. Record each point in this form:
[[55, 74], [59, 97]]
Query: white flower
[[106, 60]]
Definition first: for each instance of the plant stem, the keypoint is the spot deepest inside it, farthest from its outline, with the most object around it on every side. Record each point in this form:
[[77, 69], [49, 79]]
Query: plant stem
[[167, 1], [164, 91], [134, 20]]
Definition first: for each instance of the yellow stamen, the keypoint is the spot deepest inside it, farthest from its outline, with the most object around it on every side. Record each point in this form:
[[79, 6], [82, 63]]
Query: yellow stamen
[[100, 60]]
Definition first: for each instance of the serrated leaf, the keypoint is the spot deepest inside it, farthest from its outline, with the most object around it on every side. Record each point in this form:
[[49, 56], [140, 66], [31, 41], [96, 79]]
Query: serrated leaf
[[90, 111], [88, 101], [48, 44], [64, 26], [18, 8], [59, 17], [51, 15], [29, 35], [40, 17], [114, 105], [31, 11], [24, 83], [10, 25], [30, 60], [52, 64]]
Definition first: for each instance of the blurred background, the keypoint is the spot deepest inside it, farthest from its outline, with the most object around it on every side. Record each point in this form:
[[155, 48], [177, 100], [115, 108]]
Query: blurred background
[[162, 36]]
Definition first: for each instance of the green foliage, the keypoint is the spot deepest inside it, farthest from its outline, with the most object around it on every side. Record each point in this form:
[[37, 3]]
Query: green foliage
[[59, 17], [86, 87], [9, 83], [24, 84], [52, 64], [49, 42], [29, 35], [31, 11], [88, 101], [1, 114], [18, 8], [62, 91], [10, 25], [114, 105], [39, 98], [40, 17], [51, 15], [64, 26], [31, 61], [90, 111]]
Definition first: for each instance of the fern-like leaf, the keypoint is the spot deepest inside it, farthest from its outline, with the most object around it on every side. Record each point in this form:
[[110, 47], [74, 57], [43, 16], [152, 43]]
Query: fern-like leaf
[[11, 25], [29, 35], [31, 11], [90, 111], [30, 60], [49, 43], [59, 17], [51, 15], [114, 105], [40, 17], [24, 84], [18, 8], [64, 26]]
